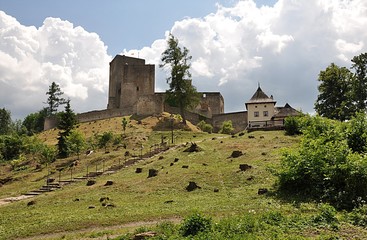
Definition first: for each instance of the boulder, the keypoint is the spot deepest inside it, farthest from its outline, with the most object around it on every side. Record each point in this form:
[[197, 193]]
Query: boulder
[[152, 173], [91, 182], [109, 183], [193, 148], [236, 154], [245, 167], [192, 186], [138, 170]]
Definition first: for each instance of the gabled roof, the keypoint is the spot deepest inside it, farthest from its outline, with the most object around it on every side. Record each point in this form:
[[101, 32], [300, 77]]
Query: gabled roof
[[286, 111], [260, 97]]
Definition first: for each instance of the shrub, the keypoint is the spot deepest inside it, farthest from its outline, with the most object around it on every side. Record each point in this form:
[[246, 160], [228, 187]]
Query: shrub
[[291, 126], [194, 224], [205, 127], [327, 216], [227, 127], [324, 167], [358, 216]]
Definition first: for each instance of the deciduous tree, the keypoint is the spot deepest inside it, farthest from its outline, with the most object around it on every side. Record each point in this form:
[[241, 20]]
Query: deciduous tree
[[335, 99]]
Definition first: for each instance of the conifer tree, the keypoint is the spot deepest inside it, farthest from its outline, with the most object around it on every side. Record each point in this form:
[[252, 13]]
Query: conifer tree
[[181, 93], [66, 125]]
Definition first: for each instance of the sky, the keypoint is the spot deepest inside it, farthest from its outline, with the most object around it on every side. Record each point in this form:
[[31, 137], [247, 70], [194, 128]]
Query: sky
[[235, 45]]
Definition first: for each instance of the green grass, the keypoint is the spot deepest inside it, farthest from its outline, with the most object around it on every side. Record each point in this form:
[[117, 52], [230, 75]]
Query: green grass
[[138, 198]]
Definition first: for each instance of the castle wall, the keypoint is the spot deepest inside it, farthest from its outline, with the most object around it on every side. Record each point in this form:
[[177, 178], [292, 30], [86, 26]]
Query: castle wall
[[239, 120], [101, 114], [214, 100], [150, 104]]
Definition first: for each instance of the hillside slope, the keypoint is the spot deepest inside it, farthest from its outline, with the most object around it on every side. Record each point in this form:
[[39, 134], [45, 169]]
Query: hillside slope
[[131, 196]]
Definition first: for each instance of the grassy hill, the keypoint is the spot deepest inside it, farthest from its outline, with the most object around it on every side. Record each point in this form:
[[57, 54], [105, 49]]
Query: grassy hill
[[77, 211]]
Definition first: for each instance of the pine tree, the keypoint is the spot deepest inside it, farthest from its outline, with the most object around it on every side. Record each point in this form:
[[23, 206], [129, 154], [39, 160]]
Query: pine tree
[[181, 93], [66, 125], [54, 99]]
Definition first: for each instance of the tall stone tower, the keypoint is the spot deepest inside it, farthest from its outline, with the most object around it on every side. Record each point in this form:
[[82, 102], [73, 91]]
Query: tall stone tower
[[130, 79]]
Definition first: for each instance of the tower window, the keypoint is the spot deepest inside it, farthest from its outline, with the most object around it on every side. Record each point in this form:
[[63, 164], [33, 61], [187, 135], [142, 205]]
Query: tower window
[[266, 113], [256, 114], [137, 88]]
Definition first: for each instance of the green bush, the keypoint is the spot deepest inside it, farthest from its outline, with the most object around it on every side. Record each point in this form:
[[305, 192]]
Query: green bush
[[327, 216], [358, 216], [205, 127], [292, 126], [227, 127], [194, 224], [324, 167]]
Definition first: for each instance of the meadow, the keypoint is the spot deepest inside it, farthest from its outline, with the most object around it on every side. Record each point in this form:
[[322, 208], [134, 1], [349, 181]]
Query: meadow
[[135, 202]]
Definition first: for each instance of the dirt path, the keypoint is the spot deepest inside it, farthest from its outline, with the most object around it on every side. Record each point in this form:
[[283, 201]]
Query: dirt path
[[86, 231], [13, 199]]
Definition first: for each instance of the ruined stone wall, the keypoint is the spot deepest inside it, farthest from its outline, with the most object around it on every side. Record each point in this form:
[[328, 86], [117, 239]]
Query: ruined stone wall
[[239, 120], [214, 100], [150, 104], [101, 114]]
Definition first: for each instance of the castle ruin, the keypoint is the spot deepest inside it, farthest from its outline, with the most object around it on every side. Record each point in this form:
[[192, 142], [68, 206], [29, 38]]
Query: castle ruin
[[132, 92]]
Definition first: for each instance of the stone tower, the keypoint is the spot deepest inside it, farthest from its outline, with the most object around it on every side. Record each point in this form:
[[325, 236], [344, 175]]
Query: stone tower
[[130, 79]]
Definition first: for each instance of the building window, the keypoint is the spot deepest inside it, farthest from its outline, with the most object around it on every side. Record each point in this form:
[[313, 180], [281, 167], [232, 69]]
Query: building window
[[137, 89], [266, 113], [256, 114]]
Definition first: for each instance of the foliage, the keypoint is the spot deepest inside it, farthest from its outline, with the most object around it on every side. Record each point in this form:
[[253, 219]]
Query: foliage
[[105, 139], [66, 125], [194, 224], [342, 92], [324, 166], [75, 142], [358, 216], [181, 92], [34, 122], [227, 127], [54, 99], [5, 121], [124, 123], [291, 126], [10, 146], [326, 216], [48, 154], [335, 99], [205, 127], [359, 64], [357, 133]]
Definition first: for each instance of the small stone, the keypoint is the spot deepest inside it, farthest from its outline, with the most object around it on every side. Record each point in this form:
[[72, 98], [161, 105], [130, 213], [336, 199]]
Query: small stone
[[244, 167], [31, 203], [185, 166], [176, 160], [109, 183], [91, 182], [138, 170], [216, 190], [192, 186], [152, 173], [91, 207], [262, 191]]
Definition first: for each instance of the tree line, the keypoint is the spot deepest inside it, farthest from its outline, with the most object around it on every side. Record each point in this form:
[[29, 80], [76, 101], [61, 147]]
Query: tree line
[[343, 91]]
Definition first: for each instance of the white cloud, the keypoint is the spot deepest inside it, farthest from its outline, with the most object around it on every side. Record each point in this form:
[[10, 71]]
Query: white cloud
[[283, 47], [31, 59]]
